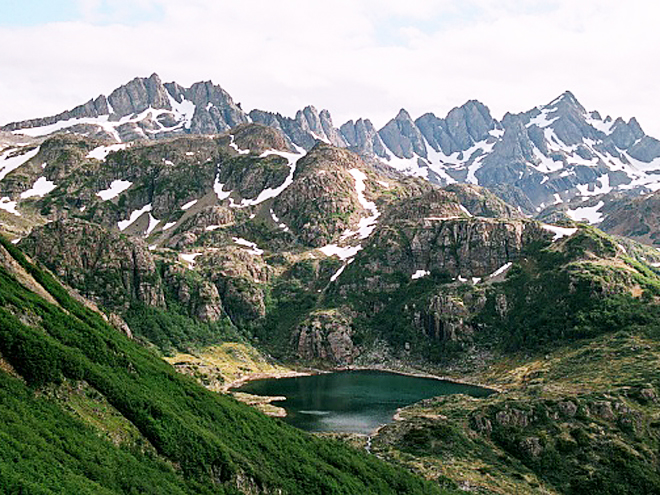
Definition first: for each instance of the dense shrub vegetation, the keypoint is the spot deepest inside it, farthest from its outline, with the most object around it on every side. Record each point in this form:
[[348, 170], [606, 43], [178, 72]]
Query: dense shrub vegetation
[[205, 442], [574, 293]]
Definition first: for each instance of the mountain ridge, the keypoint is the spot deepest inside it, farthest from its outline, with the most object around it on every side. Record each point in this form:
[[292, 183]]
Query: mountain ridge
[[553, 154]]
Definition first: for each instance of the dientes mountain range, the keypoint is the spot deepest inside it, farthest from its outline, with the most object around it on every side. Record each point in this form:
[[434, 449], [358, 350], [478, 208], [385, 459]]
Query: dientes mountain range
[[166, 223]]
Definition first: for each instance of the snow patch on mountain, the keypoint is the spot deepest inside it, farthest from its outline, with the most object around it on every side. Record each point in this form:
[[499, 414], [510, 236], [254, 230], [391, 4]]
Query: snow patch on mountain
[[366, 225], [420, 274], [189, 204], [10, 206], [276, 219], [218, 189], [500, 270], [233, 145], [336, 275], [546, 164], [270, 193], [559, 232], [254, 249], [63, 124], [465, 210], [102, 152], [116, 188], [364, 229], [153, 223], [542, 120], [319, 138], [408, 166], [590, 214], [600, 125], [601, 186], [343, 253], [183, 113], [134, 216], [185, 110], [40, 188], [189, 258], [10, 160]]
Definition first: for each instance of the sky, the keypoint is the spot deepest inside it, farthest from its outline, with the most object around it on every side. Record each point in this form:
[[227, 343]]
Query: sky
[[357, 58]]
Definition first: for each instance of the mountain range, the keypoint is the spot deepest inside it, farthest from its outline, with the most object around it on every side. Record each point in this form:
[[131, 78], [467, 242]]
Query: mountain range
[[165, 222], [556, 157]]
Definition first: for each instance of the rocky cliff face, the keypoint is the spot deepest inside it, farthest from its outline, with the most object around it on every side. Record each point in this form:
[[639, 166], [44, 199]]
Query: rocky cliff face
[[402, 137], [461, 129], [445, 239], [363, 138], [241, 279], [305, 129], [635, 218], [322, 201], [137, 96], [107, 267], [214, 109], [199, 296], [325, 336]]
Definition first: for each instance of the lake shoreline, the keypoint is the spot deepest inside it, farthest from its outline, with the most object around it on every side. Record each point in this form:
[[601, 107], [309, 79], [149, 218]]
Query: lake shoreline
[[265, 402], [422, 374], [228, 388]]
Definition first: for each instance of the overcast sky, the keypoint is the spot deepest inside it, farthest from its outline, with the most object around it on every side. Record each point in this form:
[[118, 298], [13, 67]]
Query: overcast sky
[[357, 58]]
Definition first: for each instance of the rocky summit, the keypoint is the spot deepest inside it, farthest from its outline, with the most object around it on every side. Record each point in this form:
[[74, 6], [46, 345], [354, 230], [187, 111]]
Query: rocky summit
[[555, 157], [167, 218]]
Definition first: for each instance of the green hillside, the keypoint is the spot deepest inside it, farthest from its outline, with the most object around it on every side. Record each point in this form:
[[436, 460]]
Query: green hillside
[[135, 425]]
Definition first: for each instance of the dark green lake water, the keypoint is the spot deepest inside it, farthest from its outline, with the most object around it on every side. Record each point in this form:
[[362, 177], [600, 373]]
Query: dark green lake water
[[351, 401]]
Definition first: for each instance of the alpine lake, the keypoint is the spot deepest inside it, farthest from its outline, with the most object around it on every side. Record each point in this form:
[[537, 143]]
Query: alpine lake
[[351, 401]]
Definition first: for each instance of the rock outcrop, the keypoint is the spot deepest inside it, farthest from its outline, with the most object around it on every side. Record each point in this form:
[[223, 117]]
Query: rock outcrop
[[363, 138], [105, 266], [463, 126], [204, 108], [402, 137], [305, 130], [325, 336], [321, 203], [635, 218], [240, 279], [433, 233], [198, 296]]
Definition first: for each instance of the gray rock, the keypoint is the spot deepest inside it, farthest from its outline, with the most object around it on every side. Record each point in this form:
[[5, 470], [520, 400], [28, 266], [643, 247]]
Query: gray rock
[[325, 336], [624, 135], [215, 110], [363, 138], [402, 137], [646, 149], [333, 134], [463, 127], [302, 130], [139, 95]]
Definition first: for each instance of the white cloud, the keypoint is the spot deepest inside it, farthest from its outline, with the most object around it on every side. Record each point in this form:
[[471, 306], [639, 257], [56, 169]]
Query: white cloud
[[359, 58]]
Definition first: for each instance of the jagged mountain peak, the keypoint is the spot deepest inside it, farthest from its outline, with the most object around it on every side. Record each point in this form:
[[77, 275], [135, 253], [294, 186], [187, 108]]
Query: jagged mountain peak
[[144, 108], [550, 154], [138, 95], [402, 137], [403, 115], [566, 99]]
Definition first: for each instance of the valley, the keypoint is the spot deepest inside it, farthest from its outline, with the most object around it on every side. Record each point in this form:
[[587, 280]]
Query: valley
[[162, 229]]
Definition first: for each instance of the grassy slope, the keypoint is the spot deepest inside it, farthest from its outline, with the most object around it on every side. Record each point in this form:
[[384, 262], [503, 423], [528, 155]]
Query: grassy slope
[[204, 442]]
